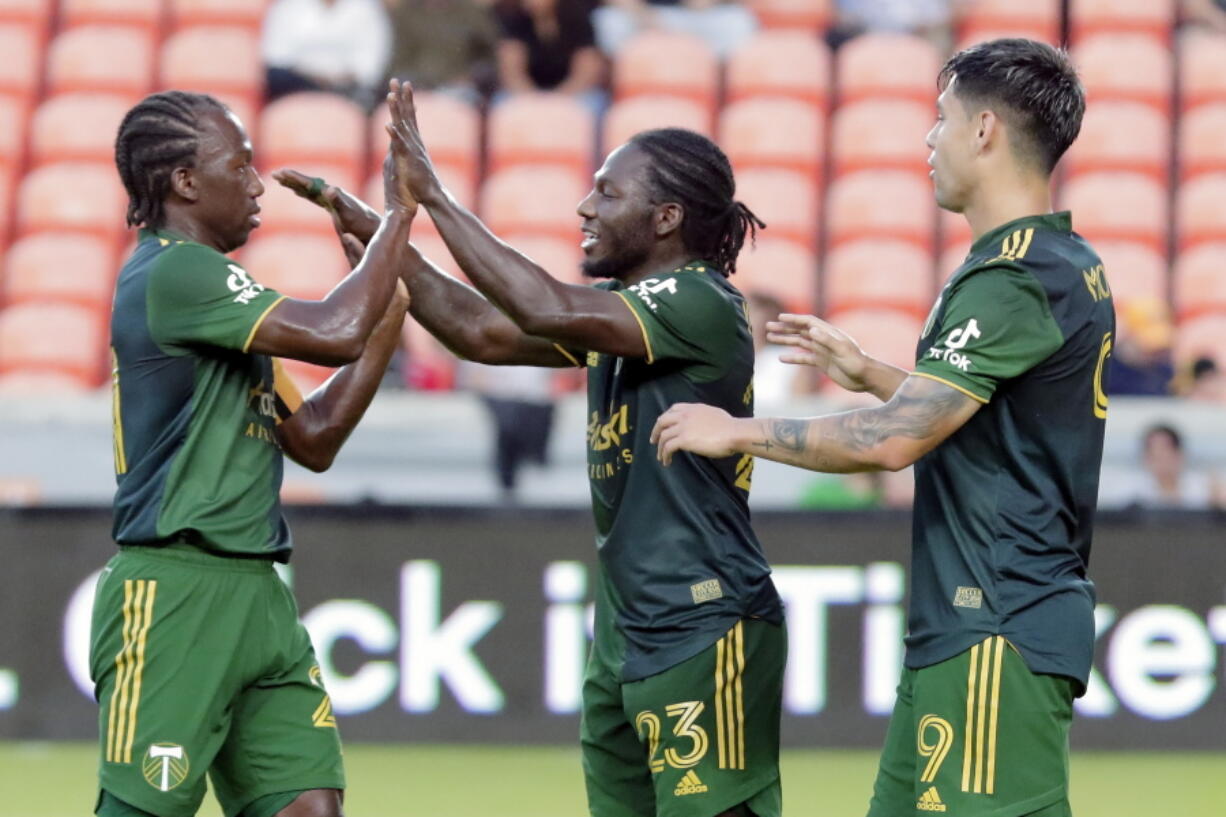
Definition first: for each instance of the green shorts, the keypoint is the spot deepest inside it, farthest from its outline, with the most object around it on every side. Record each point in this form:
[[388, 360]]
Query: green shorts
[[695, 740], [200, 664], [977, 735]]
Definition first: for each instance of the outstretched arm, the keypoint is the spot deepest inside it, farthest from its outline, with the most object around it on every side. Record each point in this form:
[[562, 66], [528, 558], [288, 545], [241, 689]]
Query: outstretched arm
[[836, 354], [919, 417], [535, 301], [315, 432]]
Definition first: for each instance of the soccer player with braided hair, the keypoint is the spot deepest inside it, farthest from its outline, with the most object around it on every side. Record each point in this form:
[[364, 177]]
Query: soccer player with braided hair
[[681, 699], [198, 659]]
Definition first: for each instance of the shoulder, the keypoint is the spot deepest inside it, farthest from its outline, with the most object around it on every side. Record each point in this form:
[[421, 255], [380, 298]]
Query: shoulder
[[694, 292], [999, 280], [188, 265]]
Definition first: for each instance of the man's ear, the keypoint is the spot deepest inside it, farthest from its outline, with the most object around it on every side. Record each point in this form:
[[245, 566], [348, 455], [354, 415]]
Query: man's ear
[[183, 183], [987, 130], [668, 218]]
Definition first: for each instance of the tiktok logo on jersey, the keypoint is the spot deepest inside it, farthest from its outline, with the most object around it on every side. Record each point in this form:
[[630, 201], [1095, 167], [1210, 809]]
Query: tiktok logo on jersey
[[239, 281], [954, 342]]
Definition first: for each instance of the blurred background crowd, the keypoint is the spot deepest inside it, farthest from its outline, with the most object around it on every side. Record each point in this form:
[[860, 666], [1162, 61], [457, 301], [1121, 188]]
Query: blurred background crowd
[[821, 105]]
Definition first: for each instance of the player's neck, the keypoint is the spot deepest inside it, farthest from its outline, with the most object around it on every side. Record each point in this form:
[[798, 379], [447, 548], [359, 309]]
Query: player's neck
[[998, 203], [190, 229], [659, 263]]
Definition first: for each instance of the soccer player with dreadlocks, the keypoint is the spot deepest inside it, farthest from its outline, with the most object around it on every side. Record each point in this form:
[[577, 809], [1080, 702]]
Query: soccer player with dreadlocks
[[198, 658], [681, 699]]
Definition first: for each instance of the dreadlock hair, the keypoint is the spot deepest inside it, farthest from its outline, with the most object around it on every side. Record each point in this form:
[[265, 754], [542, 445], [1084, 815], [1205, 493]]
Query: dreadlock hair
[[158, 135], [691, 170]]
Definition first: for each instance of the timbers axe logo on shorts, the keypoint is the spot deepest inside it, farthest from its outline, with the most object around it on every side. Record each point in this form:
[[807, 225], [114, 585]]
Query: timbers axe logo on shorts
[[165, 765], [954, 342]]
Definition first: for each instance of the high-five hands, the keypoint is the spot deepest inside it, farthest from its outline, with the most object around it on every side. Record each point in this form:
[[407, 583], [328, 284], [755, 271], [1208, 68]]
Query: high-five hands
[[816, 343], [413, 166]]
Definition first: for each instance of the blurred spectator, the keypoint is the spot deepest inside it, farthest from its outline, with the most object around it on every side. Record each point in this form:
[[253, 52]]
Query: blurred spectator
[[774, 382], [1207, 382], [549, 45], [521, 405], [1164, 481], [1209, 13], [1141, 359], [931, 19], [340, 46], [723, 24], [444, 45]]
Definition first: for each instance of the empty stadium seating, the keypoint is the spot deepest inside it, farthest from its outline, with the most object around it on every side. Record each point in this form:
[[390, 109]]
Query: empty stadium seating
[[1135, 271], [246, 13], [300, 265], [662, 62], [53, 337], [59, 266], [12, 131], [1153, 18], [886, 334], [1122, 135], [450, 128], [630, 116], [533, 199], [803, 15], [783, 269], [1200, 210], [887, 65], [881, 134], [786, 200], [86, 196], [988, 19], [20, 74], [1122, 206], [772, 132], [1125, 66], [1202, 56], [219, 60], [1202, 139], [145, 14], [877, 273], [283, 211], [1199, 282], [541, 129], [1200, 337], [781, 63], [101, 59], [313, 128], [881, 203], [77, 127]]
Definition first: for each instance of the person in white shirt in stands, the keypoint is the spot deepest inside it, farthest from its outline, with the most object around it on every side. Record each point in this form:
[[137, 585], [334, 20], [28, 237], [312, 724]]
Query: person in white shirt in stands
[[722, 23], [1165, 481], [341, 46]]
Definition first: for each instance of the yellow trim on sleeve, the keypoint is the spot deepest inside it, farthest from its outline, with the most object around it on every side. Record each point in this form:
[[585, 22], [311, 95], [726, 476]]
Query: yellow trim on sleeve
[[646, 339], [285, 388], [260, 320], [566, 354], [965, 391]]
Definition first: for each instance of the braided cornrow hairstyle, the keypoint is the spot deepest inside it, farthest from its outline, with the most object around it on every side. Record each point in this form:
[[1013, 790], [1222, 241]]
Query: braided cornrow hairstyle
[[690, 169], [161, 133]]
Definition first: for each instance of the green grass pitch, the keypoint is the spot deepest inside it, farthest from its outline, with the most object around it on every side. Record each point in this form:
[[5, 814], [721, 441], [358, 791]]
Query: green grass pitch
[[389, 780]]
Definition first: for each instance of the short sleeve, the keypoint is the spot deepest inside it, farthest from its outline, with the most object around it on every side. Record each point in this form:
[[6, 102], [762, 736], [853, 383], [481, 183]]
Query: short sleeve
[[996, 325], [197, 296], [684, 318]]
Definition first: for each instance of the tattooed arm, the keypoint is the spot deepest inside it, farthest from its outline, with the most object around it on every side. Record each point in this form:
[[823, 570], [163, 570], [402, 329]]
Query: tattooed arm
[[919, 417]]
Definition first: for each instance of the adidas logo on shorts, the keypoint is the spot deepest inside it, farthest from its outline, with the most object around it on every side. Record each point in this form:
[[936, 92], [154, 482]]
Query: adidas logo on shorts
[[930, 801], [690, 784]]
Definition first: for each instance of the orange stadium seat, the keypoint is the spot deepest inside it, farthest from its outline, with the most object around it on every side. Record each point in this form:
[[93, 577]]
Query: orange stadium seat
[[458, 183], [1201, 337], [1120, 135], [56, 337], [58, 266], [983, 35], [630, 116], [541, 129], [557, 256], [1202, 67], [35, 15], [1134, 271], [881, 134], [663, 62], [77, 127], [890, 65], [101, 59], [246, 13], [809, 15], [430, 244], [313, 128], [1202, 139], [1125, 66], [877, 273], [301, 265], [786, 200], [146, 14], [989, 19], [950, 259], [886, 334], [955, 231], [282, 211], [1200, 210], [12, 131], [6, 201], [881, 204], [21, 68], [771, 132], [221, 60], [451, 129], [1199, 284], [85, 196], [1118, 206], [534, 199], [781, 63], [780, 268], [1153, 18]]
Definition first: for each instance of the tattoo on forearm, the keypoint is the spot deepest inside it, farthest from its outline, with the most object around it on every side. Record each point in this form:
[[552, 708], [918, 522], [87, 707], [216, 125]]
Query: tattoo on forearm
[[786, 434], [912, 412]]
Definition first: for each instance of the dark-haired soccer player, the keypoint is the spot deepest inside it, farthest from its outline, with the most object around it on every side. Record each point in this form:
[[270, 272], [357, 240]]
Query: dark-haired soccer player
[[197, 655], [1003, 418], [682, 696]]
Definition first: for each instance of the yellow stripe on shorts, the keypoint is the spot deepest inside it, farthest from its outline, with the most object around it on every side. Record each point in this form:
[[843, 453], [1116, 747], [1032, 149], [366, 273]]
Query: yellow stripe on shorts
[[138, 597], [982, 715], [730, 698]]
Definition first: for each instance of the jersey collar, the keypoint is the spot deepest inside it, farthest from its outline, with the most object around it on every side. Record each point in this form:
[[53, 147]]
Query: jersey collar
[[1061, 221], [144, 233]]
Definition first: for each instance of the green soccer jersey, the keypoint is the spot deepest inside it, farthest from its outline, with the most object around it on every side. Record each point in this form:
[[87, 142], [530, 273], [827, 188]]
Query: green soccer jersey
[[1004, 508], [196, 452], [679, 562]]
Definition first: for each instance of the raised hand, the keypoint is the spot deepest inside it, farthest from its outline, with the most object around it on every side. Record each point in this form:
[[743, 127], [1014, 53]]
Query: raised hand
[[702, 429], [412, 172], [349, 214], [819, 344]]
